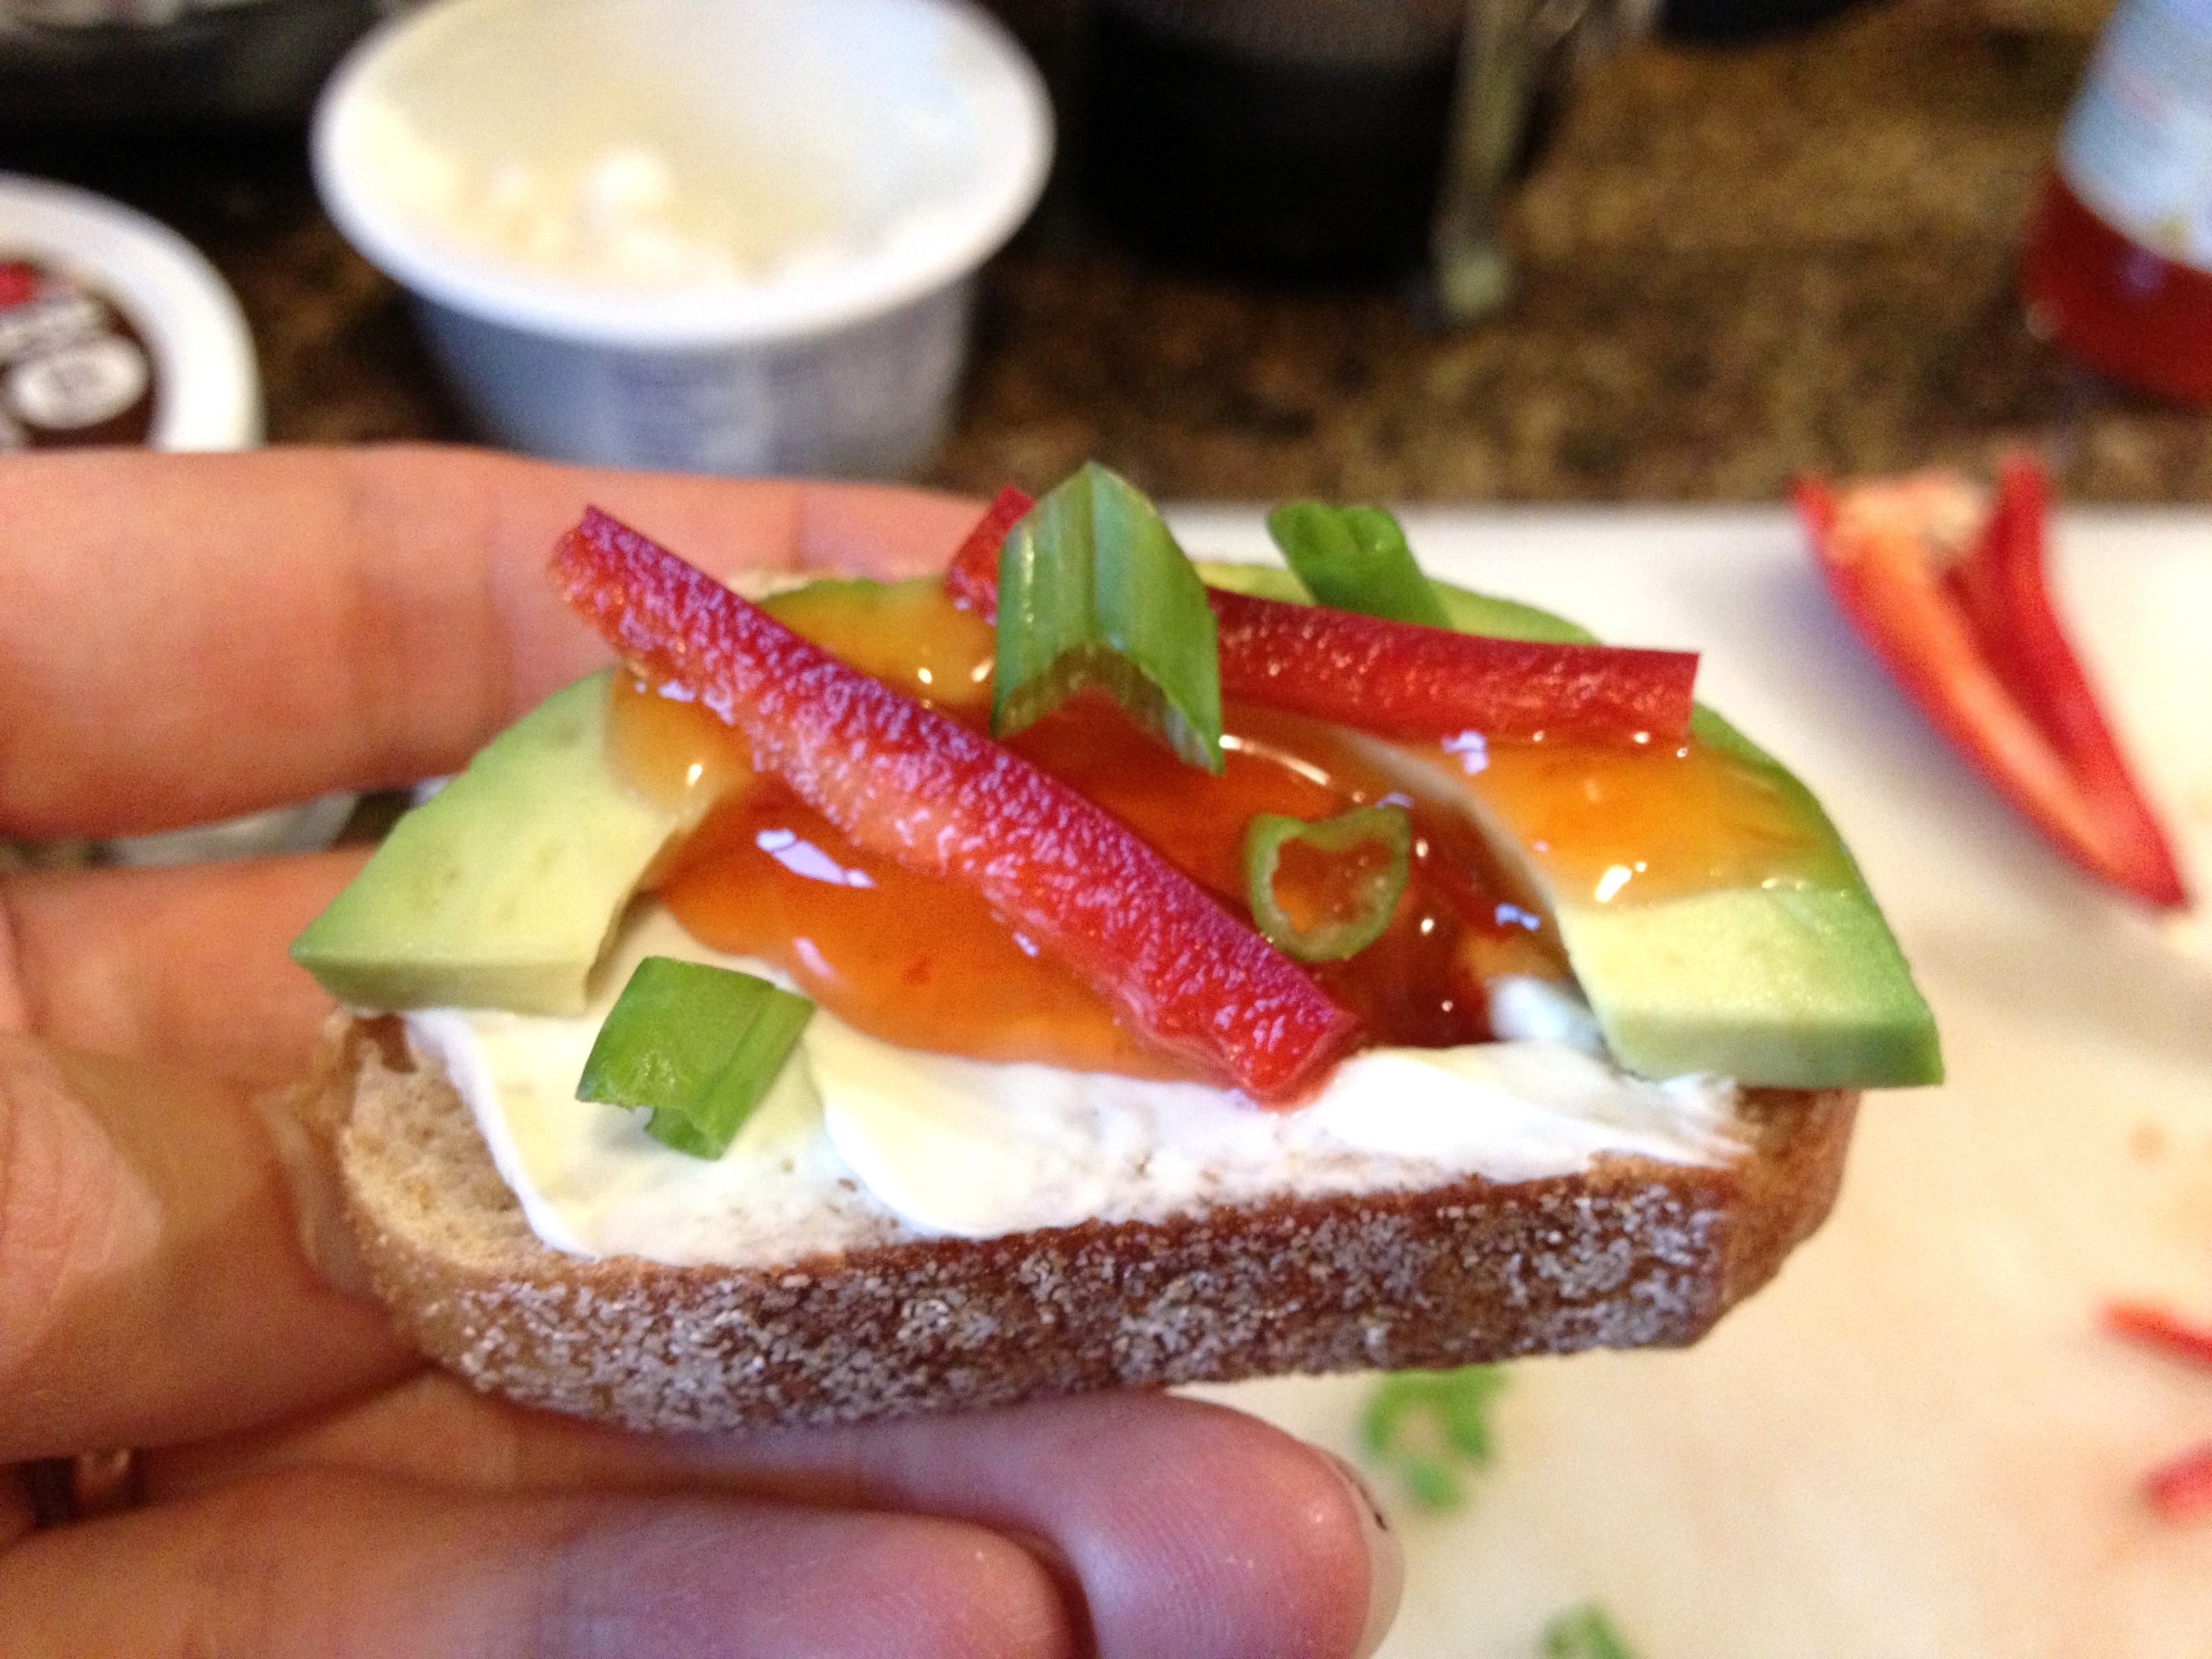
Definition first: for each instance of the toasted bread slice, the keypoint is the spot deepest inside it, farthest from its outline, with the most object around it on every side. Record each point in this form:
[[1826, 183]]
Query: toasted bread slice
[[1631, 1252]]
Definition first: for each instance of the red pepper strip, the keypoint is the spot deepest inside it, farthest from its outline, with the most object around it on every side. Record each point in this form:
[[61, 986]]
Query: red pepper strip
[[1878, 562], [1403, 680], [2161, 1329], [1979, 581], [2009, 601], [904, 781], [2182, 1490], [972, 578], [1400, 679]]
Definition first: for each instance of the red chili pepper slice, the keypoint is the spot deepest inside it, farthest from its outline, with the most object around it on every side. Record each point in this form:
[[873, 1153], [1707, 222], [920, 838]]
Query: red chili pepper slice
[[1973, 639], [904, 781], [1400, 679]]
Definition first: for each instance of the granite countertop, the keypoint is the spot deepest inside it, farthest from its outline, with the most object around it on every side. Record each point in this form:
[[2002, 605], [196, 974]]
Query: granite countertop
[[1736, 263]]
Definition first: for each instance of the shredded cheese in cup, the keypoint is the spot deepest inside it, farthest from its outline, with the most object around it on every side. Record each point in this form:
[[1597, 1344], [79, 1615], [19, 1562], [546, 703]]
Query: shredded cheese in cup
[[721, 235]]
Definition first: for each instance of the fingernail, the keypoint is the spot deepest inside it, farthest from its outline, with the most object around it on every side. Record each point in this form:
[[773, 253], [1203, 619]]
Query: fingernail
[[1386, 1559], [318, 1204]]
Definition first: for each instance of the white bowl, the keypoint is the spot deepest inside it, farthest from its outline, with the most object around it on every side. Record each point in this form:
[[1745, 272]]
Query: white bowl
[[723, 235]]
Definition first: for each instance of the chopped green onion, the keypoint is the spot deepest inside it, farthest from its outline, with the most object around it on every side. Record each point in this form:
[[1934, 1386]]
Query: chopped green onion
[[698, 1045], [1372, 892], [1094, 592], [1355, 558], [1430, 1427], [1585, 1632]]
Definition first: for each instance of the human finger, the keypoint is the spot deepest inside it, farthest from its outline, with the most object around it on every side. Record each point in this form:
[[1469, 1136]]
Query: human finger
[[186, 965], [1187, 1528], [338, 1566], [190, 637], [1195, 1529], [159, 1233]]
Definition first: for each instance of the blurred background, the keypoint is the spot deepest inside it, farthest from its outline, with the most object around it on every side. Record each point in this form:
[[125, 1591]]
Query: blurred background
[[1754, 237]]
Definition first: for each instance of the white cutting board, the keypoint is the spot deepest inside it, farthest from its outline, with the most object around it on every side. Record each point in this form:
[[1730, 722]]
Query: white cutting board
[[1917, 1441]]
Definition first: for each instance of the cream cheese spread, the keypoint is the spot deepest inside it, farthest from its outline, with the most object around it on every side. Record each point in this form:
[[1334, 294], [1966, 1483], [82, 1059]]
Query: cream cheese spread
[[937, 1144]]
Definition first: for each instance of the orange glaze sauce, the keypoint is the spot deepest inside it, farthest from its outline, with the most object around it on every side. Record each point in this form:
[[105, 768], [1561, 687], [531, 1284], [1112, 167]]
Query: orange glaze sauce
[[924, 961], [1628, 826]]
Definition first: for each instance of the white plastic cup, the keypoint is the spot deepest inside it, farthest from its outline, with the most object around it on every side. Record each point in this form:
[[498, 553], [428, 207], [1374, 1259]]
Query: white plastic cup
[[717, 236]]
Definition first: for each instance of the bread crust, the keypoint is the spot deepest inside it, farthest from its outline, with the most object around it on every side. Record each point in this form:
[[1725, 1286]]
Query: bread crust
[[1632, 1253]]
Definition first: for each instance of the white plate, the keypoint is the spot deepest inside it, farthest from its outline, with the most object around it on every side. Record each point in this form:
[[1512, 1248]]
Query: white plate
[[1917, 1441]]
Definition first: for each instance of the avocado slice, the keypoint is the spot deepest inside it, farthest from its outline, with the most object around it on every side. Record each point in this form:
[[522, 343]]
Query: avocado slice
[[500, 890], [1801, 986]]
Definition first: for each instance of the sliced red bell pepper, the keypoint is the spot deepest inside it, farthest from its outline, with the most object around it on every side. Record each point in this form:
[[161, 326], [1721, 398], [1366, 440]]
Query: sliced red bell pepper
[[2182, 1490], [2159, 1329], [972, 578], [1964, 624], [1400, 679], [903, 780], [2002, 582], [1403, 680]]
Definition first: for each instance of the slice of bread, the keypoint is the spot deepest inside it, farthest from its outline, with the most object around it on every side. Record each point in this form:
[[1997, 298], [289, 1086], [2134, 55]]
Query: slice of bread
[[1631, 1252]]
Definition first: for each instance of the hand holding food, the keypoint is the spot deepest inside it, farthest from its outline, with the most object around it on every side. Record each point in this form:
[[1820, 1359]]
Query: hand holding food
[[185, 638], [1084, 1103]]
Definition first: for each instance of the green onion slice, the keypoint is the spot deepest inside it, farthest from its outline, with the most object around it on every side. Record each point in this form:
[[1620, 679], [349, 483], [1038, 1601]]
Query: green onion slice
[[696, 1045], [1434, 1429], [1094, 592], [1585, 1632], [1366, 901], [1355, 558]]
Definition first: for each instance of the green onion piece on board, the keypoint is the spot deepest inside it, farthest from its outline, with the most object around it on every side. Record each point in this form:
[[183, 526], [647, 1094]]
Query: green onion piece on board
[[1363, 900], [1094, 592], [1355, 558], [1585, 1632], [1430, 1427], [697, 1045]]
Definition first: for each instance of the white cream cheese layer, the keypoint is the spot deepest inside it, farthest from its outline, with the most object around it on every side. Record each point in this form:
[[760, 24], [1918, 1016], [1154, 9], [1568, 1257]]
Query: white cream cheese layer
[[972, 1149]]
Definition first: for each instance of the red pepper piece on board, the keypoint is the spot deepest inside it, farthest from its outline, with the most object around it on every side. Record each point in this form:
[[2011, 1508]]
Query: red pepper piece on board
[[2182, 1490], [1973, 639], [2003, 584], [1400, 679], [904, 781], [2159, 1329]]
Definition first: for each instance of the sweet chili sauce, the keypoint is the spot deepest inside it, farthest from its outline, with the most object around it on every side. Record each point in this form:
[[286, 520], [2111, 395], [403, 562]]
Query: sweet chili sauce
[[923, 962], [1634, 826]]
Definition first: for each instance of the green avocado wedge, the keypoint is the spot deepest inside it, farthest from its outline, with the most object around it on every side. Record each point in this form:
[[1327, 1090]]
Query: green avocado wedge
[[502, 889], [1800, 988]]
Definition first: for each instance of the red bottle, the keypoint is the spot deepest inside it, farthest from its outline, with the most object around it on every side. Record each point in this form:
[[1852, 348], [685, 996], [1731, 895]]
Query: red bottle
[[2118, 258]]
